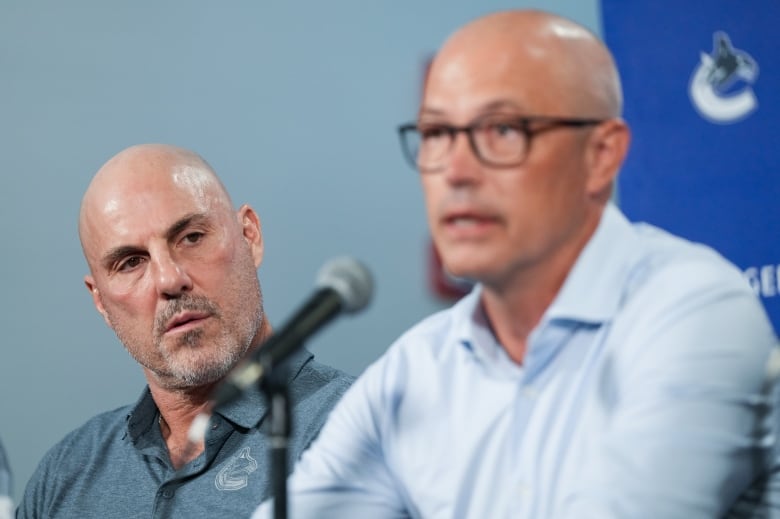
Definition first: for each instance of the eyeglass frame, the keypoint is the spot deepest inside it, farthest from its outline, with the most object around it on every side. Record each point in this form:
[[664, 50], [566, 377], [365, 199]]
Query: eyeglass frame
[[524, 126]]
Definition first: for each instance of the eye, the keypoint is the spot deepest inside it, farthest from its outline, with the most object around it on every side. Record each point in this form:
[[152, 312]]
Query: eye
[[504, 129], [192, 238], [434, 132], [129, 263]]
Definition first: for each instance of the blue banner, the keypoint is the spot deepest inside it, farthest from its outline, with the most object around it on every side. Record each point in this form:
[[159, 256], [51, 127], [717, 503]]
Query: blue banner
[[702, 83]]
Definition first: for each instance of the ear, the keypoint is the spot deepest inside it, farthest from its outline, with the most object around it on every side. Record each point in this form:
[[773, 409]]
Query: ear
[[252, 232], [607, 148], [89, 281]]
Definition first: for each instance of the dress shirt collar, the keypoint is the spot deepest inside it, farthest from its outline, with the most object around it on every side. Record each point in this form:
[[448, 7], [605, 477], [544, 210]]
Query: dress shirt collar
[[590, 294], [593, 290]]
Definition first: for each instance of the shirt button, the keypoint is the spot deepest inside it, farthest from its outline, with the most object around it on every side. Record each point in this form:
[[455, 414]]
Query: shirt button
[[167, 493]]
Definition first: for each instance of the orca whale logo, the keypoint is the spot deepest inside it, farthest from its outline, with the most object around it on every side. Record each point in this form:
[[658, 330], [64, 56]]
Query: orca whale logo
[[716, 75], [235, 475]]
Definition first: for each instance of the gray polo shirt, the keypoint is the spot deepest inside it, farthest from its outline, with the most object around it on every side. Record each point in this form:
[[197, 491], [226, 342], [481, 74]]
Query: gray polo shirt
[[117, 466]]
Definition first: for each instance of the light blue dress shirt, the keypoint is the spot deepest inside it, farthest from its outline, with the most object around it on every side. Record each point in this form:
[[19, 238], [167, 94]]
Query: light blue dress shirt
[[642, 394]]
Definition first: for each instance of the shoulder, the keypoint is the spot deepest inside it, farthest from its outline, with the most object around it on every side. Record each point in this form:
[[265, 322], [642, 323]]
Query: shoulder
[[320, 382], [669, 268], [687, 306], [315, 390], [85, 440], [432, 338], [445, 326], [69, 458], [423, 352]]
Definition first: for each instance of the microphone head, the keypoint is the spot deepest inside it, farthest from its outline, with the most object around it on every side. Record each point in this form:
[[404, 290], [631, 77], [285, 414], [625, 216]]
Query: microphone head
[[350, 279]]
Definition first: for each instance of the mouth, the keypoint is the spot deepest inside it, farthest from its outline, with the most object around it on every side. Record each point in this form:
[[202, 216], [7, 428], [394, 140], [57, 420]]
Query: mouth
[[186, 321], [468, 223], [464, 220]]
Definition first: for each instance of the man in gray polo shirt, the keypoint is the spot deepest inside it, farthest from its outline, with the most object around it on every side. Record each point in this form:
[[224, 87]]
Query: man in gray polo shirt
[[173, 271]]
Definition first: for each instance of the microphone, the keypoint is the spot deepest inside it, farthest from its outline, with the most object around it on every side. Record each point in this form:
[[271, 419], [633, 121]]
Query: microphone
[[343, 285]]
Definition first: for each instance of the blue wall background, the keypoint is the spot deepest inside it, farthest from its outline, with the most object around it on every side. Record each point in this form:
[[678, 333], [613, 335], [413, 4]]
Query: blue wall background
[[704, 159], [295, 105]]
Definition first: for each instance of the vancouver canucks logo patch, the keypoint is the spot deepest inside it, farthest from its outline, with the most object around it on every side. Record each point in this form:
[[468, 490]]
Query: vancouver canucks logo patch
[[235, 474], [720, 88]]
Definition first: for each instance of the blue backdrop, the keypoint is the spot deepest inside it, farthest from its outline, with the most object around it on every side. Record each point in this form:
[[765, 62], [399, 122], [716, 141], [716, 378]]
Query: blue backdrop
[[701, 86]]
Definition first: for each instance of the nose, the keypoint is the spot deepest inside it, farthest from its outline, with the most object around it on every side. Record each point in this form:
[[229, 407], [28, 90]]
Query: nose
[[171, 278], [463, 166]]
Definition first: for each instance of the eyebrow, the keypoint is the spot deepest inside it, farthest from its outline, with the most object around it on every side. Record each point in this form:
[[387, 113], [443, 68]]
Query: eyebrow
[[115, 254], [183, 223]]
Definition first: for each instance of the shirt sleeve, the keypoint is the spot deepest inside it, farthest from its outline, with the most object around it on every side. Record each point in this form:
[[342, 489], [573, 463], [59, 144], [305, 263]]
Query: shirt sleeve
[[688, 404], [345, 474]]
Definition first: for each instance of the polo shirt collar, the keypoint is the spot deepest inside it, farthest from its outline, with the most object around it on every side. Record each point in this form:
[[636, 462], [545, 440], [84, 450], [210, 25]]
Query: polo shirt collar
[[249, 410], [246, 412]]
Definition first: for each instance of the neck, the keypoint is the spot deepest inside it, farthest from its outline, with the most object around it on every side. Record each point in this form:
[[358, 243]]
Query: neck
[[514, 312], [177, 411], [516, 303]]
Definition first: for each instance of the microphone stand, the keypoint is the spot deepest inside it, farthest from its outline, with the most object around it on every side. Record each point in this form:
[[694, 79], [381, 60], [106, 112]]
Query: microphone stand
[[275, 388]]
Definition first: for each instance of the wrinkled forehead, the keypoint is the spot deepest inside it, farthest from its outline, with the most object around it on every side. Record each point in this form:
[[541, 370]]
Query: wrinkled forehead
[[182, 184], [126, 209]]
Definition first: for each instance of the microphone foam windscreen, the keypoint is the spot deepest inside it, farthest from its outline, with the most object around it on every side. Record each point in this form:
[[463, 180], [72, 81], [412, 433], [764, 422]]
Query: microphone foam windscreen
[[350, 279]]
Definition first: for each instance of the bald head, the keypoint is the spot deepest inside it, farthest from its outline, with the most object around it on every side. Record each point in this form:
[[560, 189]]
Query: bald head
[[128, 176], [563, 68]]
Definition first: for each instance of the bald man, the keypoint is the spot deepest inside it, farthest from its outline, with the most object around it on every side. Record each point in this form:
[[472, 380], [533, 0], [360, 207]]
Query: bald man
[[173, 271], [599, 369]]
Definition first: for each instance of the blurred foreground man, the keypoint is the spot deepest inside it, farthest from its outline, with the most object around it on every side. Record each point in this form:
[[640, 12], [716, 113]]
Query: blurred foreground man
[[173, 271], [599, 369]]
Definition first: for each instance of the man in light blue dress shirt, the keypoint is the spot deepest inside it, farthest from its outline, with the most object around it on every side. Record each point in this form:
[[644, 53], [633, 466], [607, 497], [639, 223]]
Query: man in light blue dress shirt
[[599, 369]]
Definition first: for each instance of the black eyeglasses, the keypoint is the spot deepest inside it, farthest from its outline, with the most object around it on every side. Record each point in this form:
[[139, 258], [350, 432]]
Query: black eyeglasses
[[499, 141]]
